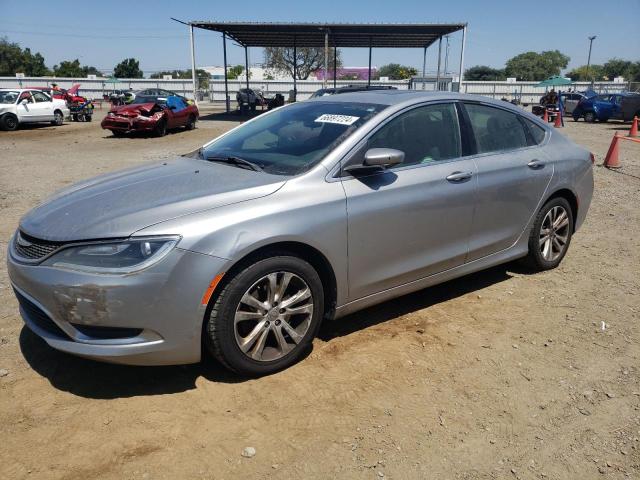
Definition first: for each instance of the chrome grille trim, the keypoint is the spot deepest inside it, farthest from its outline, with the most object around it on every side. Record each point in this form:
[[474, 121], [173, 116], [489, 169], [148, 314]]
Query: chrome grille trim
[[30, 249]]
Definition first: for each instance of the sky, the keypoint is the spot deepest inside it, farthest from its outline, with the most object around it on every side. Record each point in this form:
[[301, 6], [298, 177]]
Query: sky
[[102, 34]]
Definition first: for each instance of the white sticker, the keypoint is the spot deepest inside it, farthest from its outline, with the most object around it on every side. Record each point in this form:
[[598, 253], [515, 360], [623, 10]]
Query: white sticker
[[339, 119]]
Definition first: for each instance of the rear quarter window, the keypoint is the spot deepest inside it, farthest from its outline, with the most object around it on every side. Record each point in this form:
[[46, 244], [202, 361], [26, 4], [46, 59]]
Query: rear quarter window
[[536, 131]]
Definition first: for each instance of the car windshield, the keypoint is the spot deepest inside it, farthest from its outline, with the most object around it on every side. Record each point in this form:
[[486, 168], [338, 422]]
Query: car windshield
[[293, 139], [9, 96]]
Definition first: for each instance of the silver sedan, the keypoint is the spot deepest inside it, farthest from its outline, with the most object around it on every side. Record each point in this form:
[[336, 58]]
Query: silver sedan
[[306, 213]]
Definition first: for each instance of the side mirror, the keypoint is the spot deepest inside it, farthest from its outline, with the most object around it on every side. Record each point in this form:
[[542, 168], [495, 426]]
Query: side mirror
[[24, 101], [376, 159], [383, 157]]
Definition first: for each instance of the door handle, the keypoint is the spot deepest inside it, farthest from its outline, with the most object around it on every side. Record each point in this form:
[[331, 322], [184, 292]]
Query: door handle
[[459, 176], [535, 164]]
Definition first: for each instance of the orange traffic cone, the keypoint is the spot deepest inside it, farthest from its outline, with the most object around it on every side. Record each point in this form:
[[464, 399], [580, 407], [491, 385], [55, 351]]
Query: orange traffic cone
[[545, 117], [612, 160], [558, 122], [633, 132]]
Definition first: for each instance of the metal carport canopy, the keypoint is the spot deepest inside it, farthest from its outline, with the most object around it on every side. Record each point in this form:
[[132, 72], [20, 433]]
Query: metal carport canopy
[[341, 35], [336, 35]]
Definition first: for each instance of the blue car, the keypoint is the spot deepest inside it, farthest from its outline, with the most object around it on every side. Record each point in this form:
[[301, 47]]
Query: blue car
[[598, 107]]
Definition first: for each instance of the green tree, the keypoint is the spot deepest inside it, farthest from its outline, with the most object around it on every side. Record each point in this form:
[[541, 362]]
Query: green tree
[[482, 72], [580, 74], [533, 66], [13, 59], [395, 71], [307, 61], [128, 68], [617, 67], [235, 71], [68, 68]]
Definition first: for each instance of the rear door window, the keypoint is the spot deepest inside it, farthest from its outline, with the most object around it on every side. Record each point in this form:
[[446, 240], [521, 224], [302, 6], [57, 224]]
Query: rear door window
[[494, 129]]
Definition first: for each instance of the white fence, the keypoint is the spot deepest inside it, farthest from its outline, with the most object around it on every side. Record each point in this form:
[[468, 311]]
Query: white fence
[[526, 92], [269, 87], [96, 88]]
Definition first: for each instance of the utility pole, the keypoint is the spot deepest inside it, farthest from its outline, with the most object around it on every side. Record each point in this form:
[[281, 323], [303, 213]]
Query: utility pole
[[591, 39], [446, 55]]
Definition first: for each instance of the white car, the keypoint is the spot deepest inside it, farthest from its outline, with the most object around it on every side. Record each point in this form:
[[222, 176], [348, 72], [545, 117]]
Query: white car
[[29, 106]]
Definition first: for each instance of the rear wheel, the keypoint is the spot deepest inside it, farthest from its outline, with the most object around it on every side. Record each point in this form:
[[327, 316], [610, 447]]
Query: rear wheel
[[9, 122], [58, 118], [551, 234], [266, 316]]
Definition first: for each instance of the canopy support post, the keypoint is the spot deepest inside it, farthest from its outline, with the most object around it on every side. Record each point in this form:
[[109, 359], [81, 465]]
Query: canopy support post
[[193, 66], [369, 75], [295, 70], [424, 67], [439, 60], [461, 72], [226, 82], [335, 64], [246, 65], [326, 59]]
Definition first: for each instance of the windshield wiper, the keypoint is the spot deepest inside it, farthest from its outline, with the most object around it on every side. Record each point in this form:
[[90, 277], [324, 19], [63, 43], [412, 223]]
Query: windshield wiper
[[240, 162]]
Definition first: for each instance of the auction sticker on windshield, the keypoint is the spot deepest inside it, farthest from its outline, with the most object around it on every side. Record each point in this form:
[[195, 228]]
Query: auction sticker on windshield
[[339, 119]]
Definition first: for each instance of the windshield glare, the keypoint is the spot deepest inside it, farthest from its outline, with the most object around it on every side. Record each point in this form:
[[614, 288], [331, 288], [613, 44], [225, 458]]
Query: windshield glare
[[293, 139], [9, 96]]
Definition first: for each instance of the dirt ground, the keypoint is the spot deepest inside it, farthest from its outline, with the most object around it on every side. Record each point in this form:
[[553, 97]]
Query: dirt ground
[[501, 374]]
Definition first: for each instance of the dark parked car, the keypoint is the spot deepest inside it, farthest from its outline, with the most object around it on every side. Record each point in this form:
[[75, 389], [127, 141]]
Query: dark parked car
[[349, 89], [598, 107]]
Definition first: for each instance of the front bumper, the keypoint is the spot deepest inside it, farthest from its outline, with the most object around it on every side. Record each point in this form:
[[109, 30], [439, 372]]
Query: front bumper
[[83, 314], [128, 124]]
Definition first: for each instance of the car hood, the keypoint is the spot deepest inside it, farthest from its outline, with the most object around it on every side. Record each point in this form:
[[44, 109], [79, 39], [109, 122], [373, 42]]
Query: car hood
[[135, 109], [118, 204]]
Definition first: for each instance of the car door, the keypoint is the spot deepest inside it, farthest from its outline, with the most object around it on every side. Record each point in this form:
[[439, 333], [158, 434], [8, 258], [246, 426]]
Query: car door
[[43, 106], [513, 175], [25, 108], [412, 220]]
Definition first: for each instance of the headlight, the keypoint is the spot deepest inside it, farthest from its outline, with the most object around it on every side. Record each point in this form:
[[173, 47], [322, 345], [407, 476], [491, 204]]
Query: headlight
[[127, 256]]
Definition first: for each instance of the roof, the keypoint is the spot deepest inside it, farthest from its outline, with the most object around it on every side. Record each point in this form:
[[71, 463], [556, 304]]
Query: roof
[[379, 35]]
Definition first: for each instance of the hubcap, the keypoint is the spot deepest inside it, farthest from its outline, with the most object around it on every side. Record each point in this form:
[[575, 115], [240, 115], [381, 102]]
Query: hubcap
[[273, 316], [554, 233]]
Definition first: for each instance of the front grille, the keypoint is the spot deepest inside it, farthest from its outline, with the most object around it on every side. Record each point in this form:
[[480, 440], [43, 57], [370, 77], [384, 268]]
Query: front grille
[[38, 317], [31, 248]]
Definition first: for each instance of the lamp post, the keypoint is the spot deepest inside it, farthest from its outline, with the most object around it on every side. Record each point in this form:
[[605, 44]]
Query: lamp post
[[591, 39]]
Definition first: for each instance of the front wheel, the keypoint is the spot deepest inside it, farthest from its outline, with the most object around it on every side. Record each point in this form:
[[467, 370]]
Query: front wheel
[[191, 123], [9, 122], [58, 119], [551, 234], [590, 117], [266, 316], [161, 129]]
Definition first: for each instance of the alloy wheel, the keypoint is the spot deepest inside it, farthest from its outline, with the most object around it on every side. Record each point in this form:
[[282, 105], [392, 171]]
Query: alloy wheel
[[273, 316], [554, 233]]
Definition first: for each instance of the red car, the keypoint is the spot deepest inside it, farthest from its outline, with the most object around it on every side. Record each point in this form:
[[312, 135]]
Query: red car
[[151, 115]]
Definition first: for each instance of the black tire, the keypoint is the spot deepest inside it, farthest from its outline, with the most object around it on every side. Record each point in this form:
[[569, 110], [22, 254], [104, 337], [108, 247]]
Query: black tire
[[535, 258], [191, 122], [219, 329], [161, 129], [58, 118], [590, 117], [117, 133], [9, 122], [74, 117], [88, 118]]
